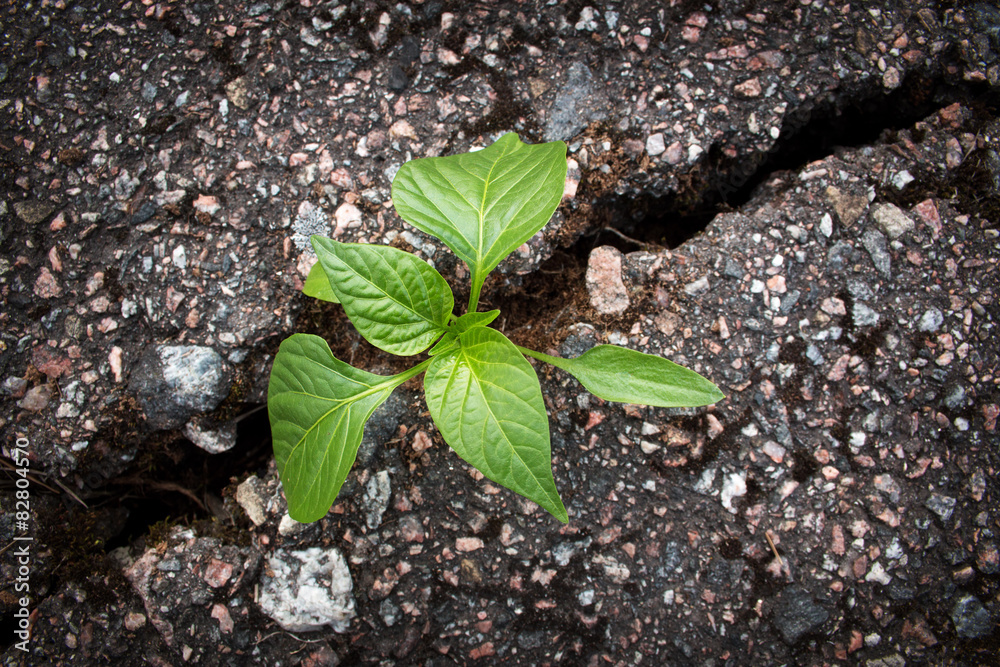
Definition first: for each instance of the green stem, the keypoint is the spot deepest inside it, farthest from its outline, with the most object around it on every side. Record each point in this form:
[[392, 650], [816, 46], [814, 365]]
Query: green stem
[[541, 356], [397, 380], [477, 286]]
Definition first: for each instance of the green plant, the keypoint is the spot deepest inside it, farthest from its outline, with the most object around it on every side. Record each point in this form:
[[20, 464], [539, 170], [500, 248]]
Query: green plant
[[482, 392]]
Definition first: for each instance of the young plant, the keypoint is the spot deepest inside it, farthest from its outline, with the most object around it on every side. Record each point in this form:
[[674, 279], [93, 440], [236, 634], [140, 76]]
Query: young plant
[[481, 391]]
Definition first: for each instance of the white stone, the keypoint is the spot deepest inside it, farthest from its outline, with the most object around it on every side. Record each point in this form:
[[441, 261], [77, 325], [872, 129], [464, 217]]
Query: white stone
[[878, 574], [655, 145], [308, 589], [733, 486], [826, 225]]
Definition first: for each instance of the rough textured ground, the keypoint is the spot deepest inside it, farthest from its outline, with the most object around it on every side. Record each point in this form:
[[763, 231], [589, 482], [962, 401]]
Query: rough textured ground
[[163, 165]]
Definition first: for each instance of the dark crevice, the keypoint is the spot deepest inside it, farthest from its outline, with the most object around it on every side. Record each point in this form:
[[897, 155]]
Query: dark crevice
[[175, 483], [719, 184], [156, 496]]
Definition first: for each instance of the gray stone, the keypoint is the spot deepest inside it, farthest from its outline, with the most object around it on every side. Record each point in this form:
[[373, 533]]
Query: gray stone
[[863, 315], [175, 382], [376, 498], [733, 270], [876, 246], [971, 618], [894, 660], [390, 612], [840, 255], [955, 398], [563, 552], [213, 440], [796, 614], [699, 286], [891, 220], [253, 496], [578, 104], [308, 589], [258, 8], [149, 91], [941, 505]]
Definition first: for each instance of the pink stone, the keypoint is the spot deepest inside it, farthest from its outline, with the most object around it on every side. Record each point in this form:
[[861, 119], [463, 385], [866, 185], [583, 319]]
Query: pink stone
[[402, 128], [675, 153], [342, 179], [698, 19], [217, 573], [838, 546], [749, 88], [115, 360], [777, 284], [49, 362], [36, 399], [774, 451], [608, 294], [467, 544], [421, 441], [206, 204], [221, 614], [690, 33], [348, 216], [46, 286], [134, 621], [833, 306], [928, 213], [411, 530]]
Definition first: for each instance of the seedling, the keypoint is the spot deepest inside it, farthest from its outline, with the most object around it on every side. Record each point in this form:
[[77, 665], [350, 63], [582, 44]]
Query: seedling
[[481, 391]]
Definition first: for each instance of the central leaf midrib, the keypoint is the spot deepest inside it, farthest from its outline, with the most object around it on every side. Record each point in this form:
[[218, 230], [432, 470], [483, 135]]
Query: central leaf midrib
[[388, 296], [339, 403], [482, 206], [489, 409]]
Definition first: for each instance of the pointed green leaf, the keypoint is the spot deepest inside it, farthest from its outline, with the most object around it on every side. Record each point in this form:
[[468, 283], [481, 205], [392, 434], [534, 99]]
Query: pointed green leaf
[[485, 398], [397, 301], [318, 406], [318, 286], [485, 204], [626, 376], [470, 320]]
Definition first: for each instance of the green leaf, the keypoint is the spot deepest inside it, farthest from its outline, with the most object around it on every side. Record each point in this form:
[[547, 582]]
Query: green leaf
[[485, 398], [470, 320], [318, 285], [318, 406], [485, 204], [397, 301], [626, 376], [447, 342]]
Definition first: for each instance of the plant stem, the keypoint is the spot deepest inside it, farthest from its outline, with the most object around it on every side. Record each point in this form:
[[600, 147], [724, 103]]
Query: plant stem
[[410, 373], [477, 286], [541, 356]]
